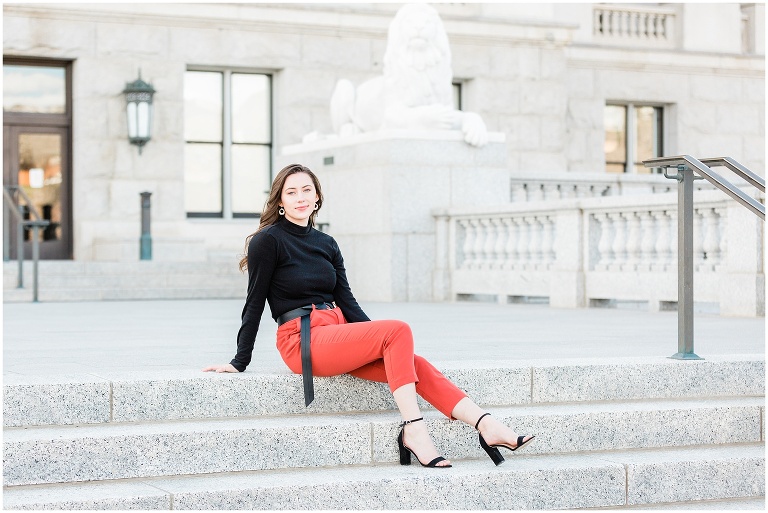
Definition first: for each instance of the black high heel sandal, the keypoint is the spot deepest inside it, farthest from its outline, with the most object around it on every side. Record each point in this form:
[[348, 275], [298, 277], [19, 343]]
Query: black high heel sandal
[[405, 451], [493, 452]]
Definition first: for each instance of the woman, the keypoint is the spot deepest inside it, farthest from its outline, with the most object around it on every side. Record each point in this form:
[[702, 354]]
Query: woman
[[300, 272]]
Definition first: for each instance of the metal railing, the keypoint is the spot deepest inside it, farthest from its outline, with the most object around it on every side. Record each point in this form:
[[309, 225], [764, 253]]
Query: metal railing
[[686, 167], [12, 194]]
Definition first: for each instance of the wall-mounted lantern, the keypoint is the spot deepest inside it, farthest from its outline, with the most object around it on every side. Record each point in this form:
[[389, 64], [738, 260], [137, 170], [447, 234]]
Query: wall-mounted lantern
[[138, 98]]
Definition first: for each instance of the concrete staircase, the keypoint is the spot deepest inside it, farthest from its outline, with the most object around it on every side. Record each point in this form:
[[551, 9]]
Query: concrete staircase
[[61, 280], [621, 433]]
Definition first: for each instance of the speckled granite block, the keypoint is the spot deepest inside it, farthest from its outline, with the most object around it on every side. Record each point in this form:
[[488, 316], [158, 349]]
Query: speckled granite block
[[595, 427], [694, 474], [534, 483], [191, 394], [492, 383], [94, 496], [40, 400], [59, 455], [648, 378]]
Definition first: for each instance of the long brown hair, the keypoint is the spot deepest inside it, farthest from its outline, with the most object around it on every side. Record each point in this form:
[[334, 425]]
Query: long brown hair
[[270, 215]]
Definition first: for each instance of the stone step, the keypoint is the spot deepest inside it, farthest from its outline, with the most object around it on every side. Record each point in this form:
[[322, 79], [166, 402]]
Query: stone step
[[106, 397], [97, 281], [124, 294], [39, 455], [613, 479], [75, 268]]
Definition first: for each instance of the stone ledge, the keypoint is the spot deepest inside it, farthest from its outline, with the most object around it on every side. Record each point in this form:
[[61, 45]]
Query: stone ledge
[[65, 399], [152, 396]]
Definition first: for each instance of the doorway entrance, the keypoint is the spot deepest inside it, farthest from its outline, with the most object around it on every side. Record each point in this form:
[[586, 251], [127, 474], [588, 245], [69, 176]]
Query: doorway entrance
[[36, 153]]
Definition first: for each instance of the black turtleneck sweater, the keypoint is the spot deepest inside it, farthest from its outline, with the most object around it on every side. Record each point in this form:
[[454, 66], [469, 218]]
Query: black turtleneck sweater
[[291, 266]]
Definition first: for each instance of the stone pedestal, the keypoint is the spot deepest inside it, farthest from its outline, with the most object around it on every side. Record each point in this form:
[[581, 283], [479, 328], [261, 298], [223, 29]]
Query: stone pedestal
[[380, 190]]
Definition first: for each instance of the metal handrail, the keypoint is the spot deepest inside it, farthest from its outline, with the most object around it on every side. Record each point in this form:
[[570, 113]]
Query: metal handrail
[[737, 168], [21, 223], [686, 166], [715, 179]]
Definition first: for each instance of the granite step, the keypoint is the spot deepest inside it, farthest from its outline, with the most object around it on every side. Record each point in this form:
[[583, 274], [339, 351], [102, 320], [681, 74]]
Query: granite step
[[98, 281], [39, 455], [109, 397], [123, 294], [612, 479]]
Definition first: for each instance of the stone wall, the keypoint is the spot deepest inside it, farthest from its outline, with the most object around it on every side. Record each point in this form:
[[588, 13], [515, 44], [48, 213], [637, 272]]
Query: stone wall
[[532, 71]]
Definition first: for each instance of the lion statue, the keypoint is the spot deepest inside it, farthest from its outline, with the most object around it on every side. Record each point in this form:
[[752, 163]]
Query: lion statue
[[415, 90]]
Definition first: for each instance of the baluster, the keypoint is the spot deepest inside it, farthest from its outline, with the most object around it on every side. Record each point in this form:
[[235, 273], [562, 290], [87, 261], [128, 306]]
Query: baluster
[[522, 242], [619, 241], [604, 247], [662, 246], [722, 212], [711, 240], [490, 243], [534, 242], [647, 241], [468, 248], [499, 248], [547, 242], [479, 249], [634, 25], [672, 266], [698, 240], [633, 241], [536, 192], [510, 248], [598, 21]]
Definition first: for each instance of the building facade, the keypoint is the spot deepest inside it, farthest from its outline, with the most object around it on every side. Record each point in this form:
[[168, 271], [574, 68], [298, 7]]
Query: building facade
[[585, 91]]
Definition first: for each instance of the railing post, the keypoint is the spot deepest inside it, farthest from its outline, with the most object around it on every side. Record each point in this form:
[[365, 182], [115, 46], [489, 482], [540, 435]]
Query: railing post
[[20, 247], [35, 259], [145, 241], [685, 265]]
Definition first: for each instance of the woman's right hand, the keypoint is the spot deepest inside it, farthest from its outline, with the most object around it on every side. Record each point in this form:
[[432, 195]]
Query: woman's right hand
[[221, 368]]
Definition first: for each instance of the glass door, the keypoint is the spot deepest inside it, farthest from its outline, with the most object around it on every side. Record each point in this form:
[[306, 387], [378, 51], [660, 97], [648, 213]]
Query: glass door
[[35, 159]]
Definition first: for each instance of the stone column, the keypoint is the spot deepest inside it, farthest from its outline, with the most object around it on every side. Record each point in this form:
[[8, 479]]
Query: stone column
[[567, 288], [742, 284]]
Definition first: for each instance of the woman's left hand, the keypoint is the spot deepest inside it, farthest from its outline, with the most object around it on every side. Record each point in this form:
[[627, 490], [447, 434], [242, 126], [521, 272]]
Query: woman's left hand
[[221, 368]]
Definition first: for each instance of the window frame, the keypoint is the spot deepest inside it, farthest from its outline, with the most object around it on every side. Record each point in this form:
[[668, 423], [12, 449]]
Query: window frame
[[226, 142], [35, 118], [631, 133]]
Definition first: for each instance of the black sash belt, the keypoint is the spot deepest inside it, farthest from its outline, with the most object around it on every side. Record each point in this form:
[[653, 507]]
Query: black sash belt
[[306, 357]]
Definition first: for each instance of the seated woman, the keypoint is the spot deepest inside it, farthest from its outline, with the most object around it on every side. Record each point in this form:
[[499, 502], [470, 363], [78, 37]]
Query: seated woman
[[324, 332]]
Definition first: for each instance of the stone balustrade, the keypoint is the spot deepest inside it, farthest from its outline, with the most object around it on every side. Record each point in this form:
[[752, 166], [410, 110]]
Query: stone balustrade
[[632, 24], [550, 186], [581, 252]]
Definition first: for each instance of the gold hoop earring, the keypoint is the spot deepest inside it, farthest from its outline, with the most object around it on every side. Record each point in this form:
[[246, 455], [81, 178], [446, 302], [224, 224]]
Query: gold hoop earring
[[281, 211]]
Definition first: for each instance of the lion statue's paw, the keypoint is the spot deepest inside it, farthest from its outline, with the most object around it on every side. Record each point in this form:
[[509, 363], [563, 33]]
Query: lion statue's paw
[[474, 129]]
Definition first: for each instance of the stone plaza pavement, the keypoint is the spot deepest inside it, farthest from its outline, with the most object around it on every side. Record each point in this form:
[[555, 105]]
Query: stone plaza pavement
[[79, 338]]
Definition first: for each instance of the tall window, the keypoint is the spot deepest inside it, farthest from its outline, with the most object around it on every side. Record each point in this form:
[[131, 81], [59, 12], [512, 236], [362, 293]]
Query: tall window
[[633, 133], [228, 151]]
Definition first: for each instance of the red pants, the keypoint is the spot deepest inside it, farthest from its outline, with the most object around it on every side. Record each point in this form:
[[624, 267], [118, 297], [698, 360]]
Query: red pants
[[377, 351]]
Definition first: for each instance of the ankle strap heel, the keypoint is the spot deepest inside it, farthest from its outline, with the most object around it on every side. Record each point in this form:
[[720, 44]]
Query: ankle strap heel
[[406, 452], [493, 451], [406, 422], [478, 420]]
